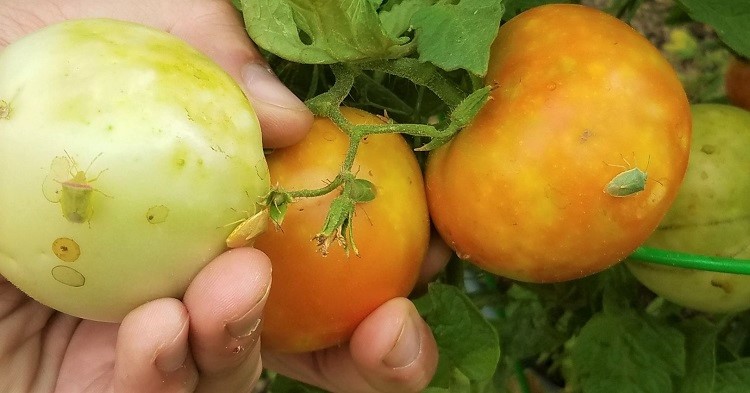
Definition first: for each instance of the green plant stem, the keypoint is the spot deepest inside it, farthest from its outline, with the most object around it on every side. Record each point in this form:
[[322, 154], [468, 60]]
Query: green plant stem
[[420, 73], [523, 383], [454, 272], [328, 105], [335, 183], [691, 261]]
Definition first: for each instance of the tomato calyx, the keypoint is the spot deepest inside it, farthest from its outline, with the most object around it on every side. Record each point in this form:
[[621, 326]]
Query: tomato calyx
[[337, 227]]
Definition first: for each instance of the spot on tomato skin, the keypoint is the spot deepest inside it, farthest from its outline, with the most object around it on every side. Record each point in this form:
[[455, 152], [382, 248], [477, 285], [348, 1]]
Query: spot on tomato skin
[[157, 214], [66, 249], [5, 109], [724, 285], [68, 276]]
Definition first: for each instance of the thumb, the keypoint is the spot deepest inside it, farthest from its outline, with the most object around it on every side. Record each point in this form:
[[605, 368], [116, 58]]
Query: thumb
[[215, 27]]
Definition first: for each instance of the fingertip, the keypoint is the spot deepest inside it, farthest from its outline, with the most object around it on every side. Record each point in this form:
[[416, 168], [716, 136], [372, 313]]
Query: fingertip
[[437, 257], [225, 302], [216, 28], [238, 275], [284, 118], [152, 349], [394, 348]]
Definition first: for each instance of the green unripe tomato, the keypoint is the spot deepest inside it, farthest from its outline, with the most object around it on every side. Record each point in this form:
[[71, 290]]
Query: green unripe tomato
[[125, 155], [711, 215]]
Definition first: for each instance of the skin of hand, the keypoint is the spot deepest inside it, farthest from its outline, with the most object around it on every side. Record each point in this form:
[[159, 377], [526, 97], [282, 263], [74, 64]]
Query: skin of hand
[[209, 340]]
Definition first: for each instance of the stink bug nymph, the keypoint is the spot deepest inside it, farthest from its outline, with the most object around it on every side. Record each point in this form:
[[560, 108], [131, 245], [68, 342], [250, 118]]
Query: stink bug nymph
[[69, 186]]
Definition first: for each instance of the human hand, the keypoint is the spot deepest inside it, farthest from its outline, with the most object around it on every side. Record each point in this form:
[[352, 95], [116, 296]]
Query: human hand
[[392, 349], [208, 341]]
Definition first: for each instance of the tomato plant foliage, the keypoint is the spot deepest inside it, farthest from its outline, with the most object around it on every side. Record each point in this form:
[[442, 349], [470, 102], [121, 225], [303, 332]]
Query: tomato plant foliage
[[422, 65]]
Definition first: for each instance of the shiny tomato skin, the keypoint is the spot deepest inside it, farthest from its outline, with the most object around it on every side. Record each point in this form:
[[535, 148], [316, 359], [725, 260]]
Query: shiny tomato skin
[[317, 301], [579, 98], [737, 82]]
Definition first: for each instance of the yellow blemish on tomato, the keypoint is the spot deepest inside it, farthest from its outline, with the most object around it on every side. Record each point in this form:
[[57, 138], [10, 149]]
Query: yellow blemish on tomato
[[5, 109], [66, 249], [68, 276], [157, 214]]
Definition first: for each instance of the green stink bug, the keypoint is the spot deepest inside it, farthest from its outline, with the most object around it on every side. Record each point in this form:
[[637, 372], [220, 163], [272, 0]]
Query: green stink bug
[[69, 186], [628, 182]]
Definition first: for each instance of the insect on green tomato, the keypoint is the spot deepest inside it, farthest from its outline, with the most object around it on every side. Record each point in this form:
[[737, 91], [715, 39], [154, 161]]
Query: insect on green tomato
[[69, 186], [172, 153], [317, 301], [528, 189]]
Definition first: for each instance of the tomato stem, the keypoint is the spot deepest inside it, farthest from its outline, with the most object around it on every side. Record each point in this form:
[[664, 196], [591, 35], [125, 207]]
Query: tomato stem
[[422, 74], [328, 104]]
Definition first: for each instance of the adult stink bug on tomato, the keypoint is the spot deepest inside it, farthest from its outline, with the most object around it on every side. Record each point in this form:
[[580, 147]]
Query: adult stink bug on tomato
[[628, 182], [69, 186]]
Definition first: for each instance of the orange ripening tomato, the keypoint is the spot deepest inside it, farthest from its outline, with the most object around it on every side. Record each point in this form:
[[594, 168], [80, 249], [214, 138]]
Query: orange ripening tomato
[[737, 82], [580, 98], [317, 301]]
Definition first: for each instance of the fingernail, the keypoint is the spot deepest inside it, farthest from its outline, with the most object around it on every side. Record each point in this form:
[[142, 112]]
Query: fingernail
[[408, 345], [263, 85], [172, 356], [249, 322]]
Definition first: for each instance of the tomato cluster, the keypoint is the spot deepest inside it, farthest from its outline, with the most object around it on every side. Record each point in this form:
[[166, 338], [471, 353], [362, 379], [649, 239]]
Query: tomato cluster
[[565, 171]]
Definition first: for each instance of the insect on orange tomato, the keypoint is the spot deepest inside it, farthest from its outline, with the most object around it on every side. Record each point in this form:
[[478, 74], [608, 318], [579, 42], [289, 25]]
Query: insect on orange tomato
[[317, 301], [522, 191]]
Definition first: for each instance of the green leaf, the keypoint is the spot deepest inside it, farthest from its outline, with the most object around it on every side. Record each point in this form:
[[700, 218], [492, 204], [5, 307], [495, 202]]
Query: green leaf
[[469, 345], [515, 7], [458, 36], [470, 106], [458, 383], [619, 289], [527, 312], [733, 377], [700, 366], [278, 202], [397, 20], [635, 353], [320, 32], [730, 19]]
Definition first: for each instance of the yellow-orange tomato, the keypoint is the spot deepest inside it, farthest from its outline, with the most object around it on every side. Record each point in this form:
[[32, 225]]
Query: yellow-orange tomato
[[317, 301], [737, 82], [579, 98]]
